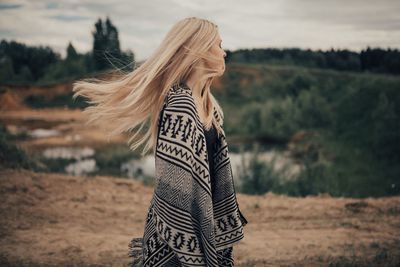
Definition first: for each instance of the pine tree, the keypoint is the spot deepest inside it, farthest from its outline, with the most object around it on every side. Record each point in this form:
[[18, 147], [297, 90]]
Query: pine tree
[[106, 46], [71, 52]]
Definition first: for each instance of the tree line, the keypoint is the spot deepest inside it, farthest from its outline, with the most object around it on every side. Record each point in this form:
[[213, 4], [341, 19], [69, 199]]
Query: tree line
[[27, 64], [370, 59]]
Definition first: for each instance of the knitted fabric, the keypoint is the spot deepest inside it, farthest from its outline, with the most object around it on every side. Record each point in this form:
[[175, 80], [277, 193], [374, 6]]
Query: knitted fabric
[[187, 224]]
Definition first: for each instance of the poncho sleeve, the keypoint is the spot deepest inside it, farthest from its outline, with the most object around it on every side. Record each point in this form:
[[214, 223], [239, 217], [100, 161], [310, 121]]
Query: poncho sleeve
[[182, 201]]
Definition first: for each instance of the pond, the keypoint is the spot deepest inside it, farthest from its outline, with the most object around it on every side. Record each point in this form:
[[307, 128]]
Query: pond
[[81, 164], [81, 161]]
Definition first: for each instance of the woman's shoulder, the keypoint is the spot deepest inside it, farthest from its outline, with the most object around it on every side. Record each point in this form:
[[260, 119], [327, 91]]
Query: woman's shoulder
[[180, 101], [180, 89], [180, 94]]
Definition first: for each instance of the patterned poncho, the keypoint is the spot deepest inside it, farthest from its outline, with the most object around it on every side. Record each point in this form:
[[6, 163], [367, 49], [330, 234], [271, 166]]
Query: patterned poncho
[[186, 224]]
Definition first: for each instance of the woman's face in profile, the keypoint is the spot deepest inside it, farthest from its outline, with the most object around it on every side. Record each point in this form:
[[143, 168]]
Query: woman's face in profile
[[217, 50]]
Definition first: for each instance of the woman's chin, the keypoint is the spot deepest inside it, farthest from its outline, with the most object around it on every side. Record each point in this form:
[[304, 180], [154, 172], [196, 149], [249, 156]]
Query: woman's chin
[[222, 71]]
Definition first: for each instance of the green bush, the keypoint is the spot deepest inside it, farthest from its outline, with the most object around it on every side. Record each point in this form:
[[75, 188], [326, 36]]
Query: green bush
[[258, 177], [64, 100], [110, 158], [277, 118]]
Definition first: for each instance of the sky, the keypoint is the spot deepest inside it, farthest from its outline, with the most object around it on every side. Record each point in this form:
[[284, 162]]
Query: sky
[[142, 24]]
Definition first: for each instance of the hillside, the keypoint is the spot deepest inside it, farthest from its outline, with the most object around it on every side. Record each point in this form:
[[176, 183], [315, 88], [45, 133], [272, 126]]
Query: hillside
[[58, 220], [52, 219]]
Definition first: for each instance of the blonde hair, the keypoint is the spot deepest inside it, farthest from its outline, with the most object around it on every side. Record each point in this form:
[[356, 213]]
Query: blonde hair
[[127, 103]]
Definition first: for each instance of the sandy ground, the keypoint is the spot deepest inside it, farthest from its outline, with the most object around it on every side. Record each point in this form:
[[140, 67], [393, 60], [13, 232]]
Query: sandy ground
[[60, 220]]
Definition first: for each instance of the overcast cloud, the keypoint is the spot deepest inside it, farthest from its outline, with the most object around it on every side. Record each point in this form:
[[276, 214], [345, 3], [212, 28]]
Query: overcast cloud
[[315, 24]]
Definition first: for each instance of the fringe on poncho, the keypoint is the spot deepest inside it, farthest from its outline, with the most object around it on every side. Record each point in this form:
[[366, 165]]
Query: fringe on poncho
[[186, 225]]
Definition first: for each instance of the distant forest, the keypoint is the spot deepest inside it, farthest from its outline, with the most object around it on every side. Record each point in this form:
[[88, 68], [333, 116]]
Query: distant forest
[[370, 59], [20, 63]]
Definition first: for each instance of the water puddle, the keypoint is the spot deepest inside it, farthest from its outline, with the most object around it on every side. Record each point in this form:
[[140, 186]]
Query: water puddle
[[81, 167], [83, 163], [68, 153], [139, 168], [144, 168], [43, 133]]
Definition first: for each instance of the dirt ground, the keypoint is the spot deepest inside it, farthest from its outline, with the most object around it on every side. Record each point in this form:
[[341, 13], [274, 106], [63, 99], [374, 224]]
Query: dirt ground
[[60, 220]]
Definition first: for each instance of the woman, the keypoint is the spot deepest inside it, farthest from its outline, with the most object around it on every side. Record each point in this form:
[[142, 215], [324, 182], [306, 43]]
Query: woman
[[193, 218]]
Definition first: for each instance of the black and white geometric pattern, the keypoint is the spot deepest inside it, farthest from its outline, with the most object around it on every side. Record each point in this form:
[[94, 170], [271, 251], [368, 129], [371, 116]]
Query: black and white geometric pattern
[[187, 225]]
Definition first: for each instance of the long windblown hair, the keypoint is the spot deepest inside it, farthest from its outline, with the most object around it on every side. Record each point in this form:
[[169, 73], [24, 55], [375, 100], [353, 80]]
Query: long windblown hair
[[130, 102]]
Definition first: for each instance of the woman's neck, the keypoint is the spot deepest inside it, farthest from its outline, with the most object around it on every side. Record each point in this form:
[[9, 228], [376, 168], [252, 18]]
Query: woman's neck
[[196, 88]]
